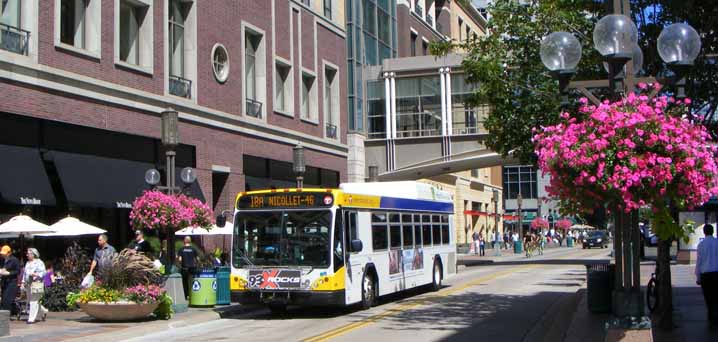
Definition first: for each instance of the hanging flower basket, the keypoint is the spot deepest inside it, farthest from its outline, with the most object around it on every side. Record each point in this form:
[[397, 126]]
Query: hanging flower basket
[[155, 210]]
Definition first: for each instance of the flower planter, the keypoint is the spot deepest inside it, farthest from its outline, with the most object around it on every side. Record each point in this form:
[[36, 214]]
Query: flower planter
[[118, 311]]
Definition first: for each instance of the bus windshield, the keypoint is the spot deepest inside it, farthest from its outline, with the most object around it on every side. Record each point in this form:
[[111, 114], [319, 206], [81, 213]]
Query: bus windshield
[[282, 238]]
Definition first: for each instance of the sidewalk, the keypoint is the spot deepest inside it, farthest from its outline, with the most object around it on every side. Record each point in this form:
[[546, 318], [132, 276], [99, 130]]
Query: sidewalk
[[689, 311], [470, 260], [77, 326]]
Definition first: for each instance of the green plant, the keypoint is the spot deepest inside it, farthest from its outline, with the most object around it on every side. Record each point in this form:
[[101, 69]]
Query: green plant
[[55, 297], [129, 269], [74, 265], [164, 310], [72, 299], [94, 293]]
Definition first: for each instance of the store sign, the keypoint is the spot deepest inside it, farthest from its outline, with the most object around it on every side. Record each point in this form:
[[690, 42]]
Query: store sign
[[30, 201], [123, 205], [285, 200]]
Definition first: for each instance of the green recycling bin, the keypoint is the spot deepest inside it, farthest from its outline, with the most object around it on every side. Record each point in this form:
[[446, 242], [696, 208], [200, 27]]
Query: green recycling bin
[[203, 290], [518, 247], [223, 293], [569, 242]]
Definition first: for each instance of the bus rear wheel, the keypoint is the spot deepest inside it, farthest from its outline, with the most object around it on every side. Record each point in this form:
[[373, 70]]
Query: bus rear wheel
[[436, 277], [368, 293]]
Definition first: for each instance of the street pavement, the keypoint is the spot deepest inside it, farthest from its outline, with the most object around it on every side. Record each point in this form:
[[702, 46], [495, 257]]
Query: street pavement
[[510, 299]]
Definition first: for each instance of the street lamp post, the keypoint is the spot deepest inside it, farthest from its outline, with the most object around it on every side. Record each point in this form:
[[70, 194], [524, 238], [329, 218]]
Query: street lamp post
[[299, 166], [497, 244], [616, 38], [520, 227]]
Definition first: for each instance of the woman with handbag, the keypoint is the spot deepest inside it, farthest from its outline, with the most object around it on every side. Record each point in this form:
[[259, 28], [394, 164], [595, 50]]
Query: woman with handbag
[[34, 286]]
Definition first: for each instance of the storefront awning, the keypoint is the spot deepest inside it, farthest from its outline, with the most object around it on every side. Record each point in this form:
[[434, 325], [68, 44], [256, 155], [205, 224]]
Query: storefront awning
[[23, 179], [92, 181]]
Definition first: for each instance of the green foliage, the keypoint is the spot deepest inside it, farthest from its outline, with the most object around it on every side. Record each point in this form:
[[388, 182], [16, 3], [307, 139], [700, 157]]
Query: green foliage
[[72, 299], [94, 293], [507, 65], [164, 310], [55, 297], [652, 16]]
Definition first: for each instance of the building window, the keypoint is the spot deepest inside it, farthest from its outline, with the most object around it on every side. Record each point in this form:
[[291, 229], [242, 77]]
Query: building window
[[72, 22], [283, 87], [307, 2], [424, 48], [254, 72], [376, 109], [179, 82], [135, 33], [220, 63], [520, 178], [328, 9], [413, 43], [418, 106], [466, 118], [475, 173], [309, 91], [461, 29], [331, 102], [12, 37]]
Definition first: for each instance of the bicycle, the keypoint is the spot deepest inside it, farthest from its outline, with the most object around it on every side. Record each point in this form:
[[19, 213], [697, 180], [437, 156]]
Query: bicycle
[[652, 291]]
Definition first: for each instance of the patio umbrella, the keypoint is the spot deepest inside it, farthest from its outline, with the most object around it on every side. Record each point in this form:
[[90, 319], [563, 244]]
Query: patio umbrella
[[214, 230], [582, 226], [22, 225], [70, 226]]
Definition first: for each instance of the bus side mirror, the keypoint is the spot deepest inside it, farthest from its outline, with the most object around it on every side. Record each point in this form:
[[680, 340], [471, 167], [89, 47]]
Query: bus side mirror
[[221, 221], [357, 246]]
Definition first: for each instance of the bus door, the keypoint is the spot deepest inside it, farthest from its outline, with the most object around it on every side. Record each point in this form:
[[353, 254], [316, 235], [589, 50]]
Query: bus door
[[351, 261]]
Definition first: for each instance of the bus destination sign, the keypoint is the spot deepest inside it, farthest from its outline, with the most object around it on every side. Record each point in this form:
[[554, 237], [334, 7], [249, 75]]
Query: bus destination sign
[[285, 200]]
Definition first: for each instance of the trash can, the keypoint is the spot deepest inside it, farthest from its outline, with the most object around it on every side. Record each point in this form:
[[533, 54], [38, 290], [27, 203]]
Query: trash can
[[223, 294], [569, 242], [518, 247], [599, 287], [203, 291]]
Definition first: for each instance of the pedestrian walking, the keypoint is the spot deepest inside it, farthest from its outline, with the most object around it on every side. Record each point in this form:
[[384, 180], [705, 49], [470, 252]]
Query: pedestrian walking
[[707, 273], [482, 245], [9, 275], [475, 240], [104, 253], [32, 281], [506, 241], [187, 257], [542, 243]]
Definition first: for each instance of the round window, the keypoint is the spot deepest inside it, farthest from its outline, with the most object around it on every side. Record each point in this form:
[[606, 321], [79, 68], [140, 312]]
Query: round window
[[220, 62]]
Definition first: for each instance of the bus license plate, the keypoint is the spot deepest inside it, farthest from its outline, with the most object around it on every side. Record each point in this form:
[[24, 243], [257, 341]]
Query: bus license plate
[[274, 279]]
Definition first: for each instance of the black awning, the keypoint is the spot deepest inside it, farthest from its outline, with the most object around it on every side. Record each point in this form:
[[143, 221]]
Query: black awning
[[92, 181], [23, 179]]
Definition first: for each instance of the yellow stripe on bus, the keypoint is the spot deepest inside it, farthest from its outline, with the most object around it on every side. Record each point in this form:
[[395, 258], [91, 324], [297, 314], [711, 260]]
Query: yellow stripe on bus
[[332, 282], [360, 201]]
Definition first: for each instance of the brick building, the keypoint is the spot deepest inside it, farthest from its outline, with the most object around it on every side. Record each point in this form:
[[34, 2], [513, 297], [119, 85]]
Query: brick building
[[85, 82]]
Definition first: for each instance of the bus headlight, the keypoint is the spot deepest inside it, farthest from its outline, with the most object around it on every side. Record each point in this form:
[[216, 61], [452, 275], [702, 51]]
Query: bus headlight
[[598, 240]]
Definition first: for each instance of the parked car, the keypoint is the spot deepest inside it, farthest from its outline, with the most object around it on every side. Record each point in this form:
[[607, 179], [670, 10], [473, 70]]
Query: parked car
[[596, 239]]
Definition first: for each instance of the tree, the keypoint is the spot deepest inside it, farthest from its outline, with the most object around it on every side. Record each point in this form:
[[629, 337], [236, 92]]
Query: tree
[[507, 66]]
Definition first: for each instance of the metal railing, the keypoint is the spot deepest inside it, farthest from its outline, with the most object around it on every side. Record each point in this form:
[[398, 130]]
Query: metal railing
[[181, 87], [254, 108], [463, 128], [331, 131], [14, 39]]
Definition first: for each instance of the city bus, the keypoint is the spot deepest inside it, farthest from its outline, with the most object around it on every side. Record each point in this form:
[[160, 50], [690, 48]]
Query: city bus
[[337, 247]]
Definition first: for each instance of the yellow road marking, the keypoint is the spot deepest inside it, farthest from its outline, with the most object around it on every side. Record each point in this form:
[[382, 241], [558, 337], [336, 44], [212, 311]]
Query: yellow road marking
[[414, 303]]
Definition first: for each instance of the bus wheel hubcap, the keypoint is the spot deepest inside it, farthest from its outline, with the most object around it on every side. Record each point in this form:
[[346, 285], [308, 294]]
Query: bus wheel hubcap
[[437, 275], [368, 291]]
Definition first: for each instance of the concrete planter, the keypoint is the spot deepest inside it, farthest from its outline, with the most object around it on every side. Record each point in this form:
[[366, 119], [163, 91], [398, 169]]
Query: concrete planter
[[118, 311]]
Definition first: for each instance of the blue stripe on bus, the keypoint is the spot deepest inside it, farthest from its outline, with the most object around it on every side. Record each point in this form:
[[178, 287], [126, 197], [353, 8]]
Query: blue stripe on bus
[[411, 204]]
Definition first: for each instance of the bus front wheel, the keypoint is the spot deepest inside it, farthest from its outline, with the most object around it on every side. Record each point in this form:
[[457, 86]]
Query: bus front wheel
[[368, 294], [436, 277]]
